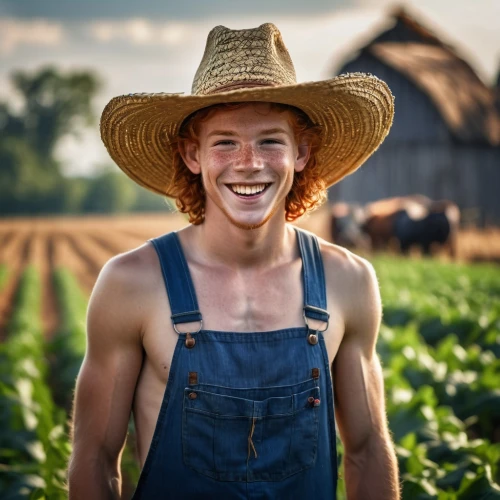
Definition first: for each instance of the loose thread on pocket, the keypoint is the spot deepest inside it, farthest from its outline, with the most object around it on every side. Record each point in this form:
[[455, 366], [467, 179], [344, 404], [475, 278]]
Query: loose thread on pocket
[[251, 446]]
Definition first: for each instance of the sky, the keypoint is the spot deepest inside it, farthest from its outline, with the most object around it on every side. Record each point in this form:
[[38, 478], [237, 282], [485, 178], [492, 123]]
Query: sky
[[156, 46]]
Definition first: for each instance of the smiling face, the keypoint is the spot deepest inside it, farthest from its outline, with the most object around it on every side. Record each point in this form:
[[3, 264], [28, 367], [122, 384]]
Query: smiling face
[[247, 158]]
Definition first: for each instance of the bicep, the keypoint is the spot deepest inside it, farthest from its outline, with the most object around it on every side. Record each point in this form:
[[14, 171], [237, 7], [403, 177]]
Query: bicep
[[357, 372], [107, 379]]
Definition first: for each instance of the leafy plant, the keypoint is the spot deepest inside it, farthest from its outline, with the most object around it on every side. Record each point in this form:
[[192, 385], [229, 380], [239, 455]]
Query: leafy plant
[[33, 445]]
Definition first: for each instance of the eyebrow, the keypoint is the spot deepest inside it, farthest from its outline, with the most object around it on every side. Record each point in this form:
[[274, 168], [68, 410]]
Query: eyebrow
[[227, 133], [220, 132], [271, 131]]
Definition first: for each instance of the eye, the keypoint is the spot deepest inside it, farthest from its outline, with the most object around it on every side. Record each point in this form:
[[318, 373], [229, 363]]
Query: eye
[[224, 143], [271, 141]]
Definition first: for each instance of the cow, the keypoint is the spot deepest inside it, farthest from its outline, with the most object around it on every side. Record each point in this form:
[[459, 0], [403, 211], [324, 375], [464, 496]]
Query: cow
[[403, 222], [439, 226]]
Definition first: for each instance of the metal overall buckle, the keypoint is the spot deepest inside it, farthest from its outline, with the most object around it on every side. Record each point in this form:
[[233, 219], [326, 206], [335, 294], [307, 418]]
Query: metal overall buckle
[[312, 338], [190, 341]]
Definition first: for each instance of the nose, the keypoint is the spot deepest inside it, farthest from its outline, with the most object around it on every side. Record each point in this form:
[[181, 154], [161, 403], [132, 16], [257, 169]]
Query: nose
[[249, 159]]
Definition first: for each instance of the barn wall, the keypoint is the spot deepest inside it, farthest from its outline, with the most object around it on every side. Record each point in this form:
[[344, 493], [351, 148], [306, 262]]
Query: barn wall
[[467, 175]]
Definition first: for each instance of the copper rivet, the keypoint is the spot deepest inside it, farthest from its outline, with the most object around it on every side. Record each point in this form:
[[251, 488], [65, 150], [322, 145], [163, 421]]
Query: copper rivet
[[192, 395], [193, 378], [190, 342], [310, 400], [312, 339]]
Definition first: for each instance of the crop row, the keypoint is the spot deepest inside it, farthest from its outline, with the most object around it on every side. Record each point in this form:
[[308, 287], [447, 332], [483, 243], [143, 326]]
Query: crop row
[[34, 446], [67, 348]]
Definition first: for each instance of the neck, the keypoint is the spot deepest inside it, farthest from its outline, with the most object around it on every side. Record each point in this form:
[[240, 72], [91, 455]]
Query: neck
[[221, 242]]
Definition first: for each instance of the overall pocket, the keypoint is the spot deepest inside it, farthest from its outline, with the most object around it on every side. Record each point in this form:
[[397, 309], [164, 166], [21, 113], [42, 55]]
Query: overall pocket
[[250, 434]]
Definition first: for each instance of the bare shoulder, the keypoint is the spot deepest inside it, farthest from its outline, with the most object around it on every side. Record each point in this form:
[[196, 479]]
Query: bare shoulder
[[354, 270], [123, 290], [131, 269], [353, 283]]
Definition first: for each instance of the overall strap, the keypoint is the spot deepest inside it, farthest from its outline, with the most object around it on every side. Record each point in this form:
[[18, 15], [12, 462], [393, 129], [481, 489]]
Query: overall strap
[[178, 282], [313, 277]]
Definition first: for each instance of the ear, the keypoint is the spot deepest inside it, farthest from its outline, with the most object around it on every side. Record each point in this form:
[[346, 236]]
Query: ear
[[189, 152], [303, 154]]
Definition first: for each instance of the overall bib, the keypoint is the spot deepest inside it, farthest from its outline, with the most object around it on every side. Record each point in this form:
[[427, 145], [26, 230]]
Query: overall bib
[[244, 415]]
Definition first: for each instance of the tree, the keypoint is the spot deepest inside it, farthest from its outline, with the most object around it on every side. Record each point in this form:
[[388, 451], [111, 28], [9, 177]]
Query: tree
[[23, 183], [53, 105]]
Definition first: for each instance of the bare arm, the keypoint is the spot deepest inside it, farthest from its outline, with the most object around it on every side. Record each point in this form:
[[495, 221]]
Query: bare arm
[[106, 383], [370, 465]]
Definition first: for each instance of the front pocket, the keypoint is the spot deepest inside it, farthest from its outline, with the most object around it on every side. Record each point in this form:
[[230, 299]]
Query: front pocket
[[230, 437]]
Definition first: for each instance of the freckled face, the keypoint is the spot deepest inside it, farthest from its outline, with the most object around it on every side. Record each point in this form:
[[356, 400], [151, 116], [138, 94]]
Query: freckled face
[[247, 158]]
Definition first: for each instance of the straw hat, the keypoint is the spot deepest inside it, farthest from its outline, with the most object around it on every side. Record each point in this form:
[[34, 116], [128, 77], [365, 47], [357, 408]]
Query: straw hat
[[354, 110]]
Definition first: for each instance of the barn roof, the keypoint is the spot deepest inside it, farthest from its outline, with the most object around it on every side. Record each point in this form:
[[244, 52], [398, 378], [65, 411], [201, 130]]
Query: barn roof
[[463, 100], [466, 104]]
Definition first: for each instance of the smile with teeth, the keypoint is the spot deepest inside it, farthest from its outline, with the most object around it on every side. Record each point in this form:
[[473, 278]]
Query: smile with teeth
[[248, 190]]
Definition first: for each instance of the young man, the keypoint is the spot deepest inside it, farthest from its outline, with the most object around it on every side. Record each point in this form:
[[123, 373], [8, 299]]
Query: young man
[[231, 339]]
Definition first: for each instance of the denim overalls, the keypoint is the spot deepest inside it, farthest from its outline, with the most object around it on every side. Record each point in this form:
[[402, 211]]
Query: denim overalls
[[244, 415]]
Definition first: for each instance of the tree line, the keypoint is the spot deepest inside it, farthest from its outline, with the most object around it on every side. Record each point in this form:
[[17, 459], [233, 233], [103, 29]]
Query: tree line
[[49, 105]]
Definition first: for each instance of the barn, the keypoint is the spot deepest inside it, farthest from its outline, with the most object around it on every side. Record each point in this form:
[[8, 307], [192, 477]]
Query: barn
[[445, 139]]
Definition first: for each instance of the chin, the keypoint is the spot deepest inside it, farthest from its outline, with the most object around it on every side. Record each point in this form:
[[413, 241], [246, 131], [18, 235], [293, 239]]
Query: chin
[[249, 225]]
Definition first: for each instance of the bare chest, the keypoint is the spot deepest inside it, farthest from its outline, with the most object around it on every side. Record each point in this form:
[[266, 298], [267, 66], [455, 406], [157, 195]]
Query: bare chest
[[250, 302], [234, 303]]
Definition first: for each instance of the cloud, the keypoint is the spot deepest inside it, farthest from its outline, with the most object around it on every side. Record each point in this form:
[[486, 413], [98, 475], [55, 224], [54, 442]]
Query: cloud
[[312, 40], [14, 33], [139, 31]]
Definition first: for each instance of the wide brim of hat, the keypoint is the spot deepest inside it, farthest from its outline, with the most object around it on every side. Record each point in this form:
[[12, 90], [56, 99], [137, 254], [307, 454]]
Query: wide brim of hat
[[354, 111]]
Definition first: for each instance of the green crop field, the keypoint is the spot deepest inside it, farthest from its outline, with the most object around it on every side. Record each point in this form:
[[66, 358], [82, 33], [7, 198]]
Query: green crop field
[[439, 345]]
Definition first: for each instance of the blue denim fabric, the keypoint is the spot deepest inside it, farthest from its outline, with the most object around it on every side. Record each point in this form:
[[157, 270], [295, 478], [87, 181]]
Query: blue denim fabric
[[257, 421]]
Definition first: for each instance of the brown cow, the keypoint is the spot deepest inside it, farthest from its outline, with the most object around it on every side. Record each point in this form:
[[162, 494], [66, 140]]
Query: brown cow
[[412, 220]]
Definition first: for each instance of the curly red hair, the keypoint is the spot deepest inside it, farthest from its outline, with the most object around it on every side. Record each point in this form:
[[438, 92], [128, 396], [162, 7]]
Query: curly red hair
[[308, 190]]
